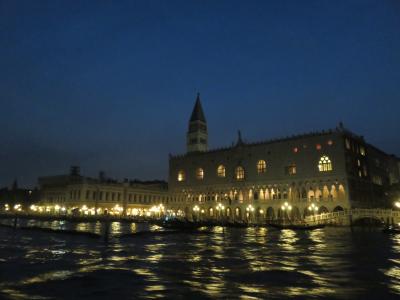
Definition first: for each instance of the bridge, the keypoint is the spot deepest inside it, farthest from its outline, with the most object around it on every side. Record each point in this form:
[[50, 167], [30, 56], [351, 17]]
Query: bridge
[[352, 216]]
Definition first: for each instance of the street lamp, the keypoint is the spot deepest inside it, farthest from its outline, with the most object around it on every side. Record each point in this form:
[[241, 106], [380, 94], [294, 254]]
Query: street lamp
[[397, 204], [196, 209], [286, 207], [249, 210], [313, 208], [220, 208]]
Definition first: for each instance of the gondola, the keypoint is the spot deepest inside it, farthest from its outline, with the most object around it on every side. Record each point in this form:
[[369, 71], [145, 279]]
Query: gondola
[[180, 225], [296, 226]]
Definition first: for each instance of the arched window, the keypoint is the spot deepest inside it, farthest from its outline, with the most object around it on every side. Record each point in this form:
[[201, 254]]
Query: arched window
[[261, 166], [239, 173], [325, 164], [200, 173], [221, 171], [181, 175]]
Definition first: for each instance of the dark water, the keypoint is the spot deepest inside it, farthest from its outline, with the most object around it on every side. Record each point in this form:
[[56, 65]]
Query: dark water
[[233, 263]]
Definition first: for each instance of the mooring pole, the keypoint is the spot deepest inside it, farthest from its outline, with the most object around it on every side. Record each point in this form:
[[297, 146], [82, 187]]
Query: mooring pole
[[106, 228], [15, 220]]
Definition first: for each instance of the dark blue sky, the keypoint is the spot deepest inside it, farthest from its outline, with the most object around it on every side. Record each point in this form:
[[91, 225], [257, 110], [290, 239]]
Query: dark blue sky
[[110, 85]]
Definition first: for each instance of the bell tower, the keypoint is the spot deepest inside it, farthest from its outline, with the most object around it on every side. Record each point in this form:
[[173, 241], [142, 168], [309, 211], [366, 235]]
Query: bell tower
[[197, 136]]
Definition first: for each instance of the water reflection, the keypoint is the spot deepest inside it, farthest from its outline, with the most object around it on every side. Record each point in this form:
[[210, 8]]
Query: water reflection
[[287, 240], [224, 263], [394, 272]]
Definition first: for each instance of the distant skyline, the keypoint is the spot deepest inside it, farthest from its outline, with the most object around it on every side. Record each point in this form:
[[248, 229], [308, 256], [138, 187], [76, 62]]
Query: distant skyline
[[110, 85]]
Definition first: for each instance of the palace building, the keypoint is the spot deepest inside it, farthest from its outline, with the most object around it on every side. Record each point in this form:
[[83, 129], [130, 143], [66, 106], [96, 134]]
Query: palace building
[[74, 193], [324, 171]]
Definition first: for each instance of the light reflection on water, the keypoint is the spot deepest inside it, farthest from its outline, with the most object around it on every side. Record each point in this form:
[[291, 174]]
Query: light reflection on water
[[224, 263]]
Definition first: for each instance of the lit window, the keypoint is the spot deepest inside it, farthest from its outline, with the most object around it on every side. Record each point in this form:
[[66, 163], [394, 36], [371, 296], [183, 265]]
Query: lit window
[[291, 170], [200, 173], [221, 171], [261, 166], [325, 164], [239, 173], [181, 175], [377, 180], [362, 151], [295, 149], [318, 146], [358, 163]]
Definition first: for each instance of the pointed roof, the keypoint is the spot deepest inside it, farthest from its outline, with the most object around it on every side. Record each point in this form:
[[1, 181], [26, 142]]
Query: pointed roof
[[239, 141], [198, 114]]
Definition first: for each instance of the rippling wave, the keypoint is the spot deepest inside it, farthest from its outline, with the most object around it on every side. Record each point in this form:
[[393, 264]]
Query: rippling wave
[[232, 263]]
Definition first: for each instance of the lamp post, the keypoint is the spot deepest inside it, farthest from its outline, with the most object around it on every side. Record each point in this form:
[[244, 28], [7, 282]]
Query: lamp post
[[196, 210], [286, 208], [313, 208], [250, 210], [220, 209]]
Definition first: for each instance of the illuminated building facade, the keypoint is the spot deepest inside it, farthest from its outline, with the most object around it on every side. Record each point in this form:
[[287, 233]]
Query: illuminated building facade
[[321, 172], [77, 194]]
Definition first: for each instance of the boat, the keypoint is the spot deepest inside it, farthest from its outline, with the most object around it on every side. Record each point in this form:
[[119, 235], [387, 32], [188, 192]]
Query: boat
[[180, 224], [299, 226]]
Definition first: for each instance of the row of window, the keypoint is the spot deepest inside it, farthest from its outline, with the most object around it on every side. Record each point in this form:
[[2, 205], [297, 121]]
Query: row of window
[[114, 196], [317, 146], [353, 146], [324, 165]]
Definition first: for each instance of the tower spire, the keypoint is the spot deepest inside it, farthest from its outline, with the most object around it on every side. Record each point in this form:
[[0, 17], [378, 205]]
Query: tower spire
[[197, 113], [197, 136], [240, 140]]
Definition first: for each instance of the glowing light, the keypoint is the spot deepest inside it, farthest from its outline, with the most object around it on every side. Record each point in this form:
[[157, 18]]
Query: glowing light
[[286, 206], [397, 204], [250, 208], [220, 206], [313, 207], [117, 209]]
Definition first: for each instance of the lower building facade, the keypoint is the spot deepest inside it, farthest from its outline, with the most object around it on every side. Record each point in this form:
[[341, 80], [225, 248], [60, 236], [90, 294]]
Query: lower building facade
[[287, 178], [79, 195]]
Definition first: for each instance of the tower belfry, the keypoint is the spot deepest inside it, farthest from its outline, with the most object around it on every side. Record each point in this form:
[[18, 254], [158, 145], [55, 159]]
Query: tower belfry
[[197, 136]]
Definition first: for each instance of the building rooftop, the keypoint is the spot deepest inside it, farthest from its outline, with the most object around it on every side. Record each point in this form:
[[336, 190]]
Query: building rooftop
[[240, 142]]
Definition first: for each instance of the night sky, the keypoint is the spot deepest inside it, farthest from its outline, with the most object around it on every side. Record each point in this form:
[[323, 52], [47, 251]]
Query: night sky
[[110, 85]]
